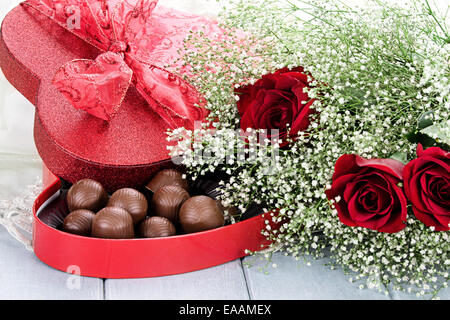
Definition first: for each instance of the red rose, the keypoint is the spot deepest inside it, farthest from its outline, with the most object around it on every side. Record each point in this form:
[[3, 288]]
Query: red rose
[[369, 193], [276, 101], [427, 186]]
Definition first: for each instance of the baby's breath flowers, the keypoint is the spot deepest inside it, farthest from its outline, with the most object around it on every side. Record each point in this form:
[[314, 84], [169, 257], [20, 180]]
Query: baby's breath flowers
[[373, 73]]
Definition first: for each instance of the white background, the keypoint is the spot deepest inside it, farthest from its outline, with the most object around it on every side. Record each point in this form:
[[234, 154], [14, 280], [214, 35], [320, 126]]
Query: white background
[[19, 162]]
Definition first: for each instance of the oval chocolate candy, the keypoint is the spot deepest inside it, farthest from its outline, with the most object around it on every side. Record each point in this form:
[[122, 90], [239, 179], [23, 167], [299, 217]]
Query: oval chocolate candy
[[113, 223], [200, 213]]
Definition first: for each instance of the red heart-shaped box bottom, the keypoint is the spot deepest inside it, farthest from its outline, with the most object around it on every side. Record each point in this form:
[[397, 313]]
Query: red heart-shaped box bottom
[[139, 258]]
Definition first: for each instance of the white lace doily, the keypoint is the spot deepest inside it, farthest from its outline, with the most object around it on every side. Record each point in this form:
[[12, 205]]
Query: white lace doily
[[20, 184], [17, 216]]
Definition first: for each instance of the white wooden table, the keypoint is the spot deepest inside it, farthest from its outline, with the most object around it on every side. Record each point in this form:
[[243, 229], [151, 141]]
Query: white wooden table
[[23, 277]]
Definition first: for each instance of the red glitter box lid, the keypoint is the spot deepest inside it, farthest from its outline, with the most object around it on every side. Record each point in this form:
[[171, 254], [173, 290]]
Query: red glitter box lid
[[73, 144]]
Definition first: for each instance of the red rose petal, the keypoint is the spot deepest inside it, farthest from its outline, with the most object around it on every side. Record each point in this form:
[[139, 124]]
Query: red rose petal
[[267, 82], [344, 216], [397, 221], [390, 166], [301, 96], [344, 165], [299, 76], [432, 151], [427, 161], [285, 83], [414, 193], [351, 189], [434, 207], [247, 121], [430, 221], [360, 217], [443, 223], [339, 185]]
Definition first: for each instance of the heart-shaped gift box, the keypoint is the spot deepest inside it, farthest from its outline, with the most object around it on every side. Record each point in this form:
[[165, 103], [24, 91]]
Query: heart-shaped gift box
[[125, 151], [122, 152]]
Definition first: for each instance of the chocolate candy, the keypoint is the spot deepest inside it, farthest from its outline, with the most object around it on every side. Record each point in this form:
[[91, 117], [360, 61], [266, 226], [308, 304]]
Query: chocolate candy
[[132, 201], [167, 177], [87, 194], [113, 223], [79, 222], [200, 213], [155, 227], [167, 201]]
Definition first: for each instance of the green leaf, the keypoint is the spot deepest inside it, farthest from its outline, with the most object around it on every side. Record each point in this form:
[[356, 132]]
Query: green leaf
[[412, 136], [400, 156], [428, 133], [419, 137], [425, 120], [438, 132]]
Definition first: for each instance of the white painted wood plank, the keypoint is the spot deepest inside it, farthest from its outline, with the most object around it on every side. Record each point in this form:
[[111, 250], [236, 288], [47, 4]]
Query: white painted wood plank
[[294, 280], [24, 277], [223, 282]]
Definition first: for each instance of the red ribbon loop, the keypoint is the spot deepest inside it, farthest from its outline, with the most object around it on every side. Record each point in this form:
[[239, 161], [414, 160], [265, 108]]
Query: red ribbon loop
[[134, 40], [118, 47]]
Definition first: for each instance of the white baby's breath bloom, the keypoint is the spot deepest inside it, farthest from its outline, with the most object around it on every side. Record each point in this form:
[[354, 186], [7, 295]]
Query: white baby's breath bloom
[[373, 73]]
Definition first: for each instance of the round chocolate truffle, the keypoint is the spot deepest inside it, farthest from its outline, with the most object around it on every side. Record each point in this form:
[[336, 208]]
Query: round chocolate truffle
[[113, 223], [87, 194], [167, 201], [156, 227], [79, 222], [167, 177], [201, 213], [132, 201]]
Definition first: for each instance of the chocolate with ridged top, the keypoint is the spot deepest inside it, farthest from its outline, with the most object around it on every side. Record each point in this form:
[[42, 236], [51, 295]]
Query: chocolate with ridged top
[[200, 213], [113, 223], [132, 201], [155, 227], [79, 222], [167, 177], [87, 194], [167, 201]]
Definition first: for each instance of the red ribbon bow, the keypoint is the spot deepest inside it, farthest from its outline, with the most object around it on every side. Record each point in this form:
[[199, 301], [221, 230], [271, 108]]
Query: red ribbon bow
[[125, 31]]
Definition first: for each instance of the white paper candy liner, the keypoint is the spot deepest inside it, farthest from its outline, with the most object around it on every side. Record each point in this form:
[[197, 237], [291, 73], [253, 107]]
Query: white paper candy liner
[[55, 210]]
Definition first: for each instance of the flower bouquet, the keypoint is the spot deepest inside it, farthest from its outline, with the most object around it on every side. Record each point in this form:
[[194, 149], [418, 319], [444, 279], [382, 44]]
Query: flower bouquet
[[336, 119]]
